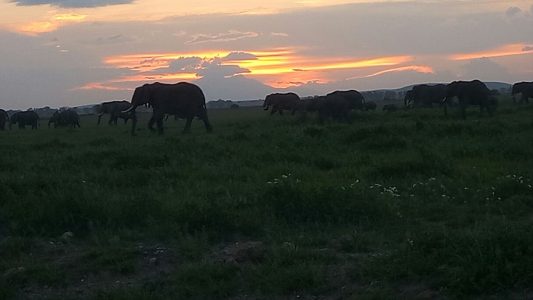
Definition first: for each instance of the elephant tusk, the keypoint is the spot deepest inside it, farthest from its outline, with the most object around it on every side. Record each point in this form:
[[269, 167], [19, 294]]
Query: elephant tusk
[[129, 109]]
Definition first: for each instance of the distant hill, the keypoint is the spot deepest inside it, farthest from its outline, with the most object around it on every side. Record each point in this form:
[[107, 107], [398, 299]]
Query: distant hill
[[222, 104], [500, 86]]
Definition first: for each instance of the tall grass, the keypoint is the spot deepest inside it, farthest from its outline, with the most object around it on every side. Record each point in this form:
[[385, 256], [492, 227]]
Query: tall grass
[[410, 197]]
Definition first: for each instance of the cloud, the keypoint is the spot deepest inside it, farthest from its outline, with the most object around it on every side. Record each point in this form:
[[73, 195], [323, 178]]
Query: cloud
[[112, 39], [232, 88], [72, 3], [502, 51], [52, 24], [281, 34], [215, 68], [512, 11], [186, 64], [239, 55], [231, 35], [414, 68], [484, 69]]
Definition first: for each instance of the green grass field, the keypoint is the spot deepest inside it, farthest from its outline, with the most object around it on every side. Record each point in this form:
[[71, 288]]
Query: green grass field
[[408, 205]]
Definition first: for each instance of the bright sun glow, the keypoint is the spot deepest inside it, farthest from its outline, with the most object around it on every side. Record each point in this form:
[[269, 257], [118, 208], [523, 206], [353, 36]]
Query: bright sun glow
[[282, 67]]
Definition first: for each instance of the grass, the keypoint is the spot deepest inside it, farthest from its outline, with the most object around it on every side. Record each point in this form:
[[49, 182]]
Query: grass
[[403, 205]]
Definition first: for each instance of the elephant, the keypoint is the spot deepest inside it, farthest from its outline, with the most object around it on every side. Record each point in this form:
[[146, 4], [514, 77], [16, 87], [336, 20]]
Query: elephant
[[370, 105], [332, 107], [65, 117], [4, 117], [424, 95], [355, 100], [114, 109], [183, 99], [24, 118], [390, 108], [278, 102], [468, 93], [523, 88]]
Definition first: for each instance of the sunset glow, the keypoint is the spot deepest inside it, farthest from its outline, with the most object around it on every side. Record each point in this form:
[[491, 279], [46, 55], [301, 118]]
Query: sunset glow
[[506, 50], [92, 50], [259, 64], [54, 22]]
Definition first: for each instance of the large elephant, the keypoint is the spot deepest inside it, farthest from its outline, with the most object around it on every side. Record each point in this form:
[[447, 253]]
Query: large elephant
[[114, 109], [24, 118], [65, 117], [185, 100], [468, 93], [355, 100], [523, 88], [278, 102], [4, 117], [424, 95]]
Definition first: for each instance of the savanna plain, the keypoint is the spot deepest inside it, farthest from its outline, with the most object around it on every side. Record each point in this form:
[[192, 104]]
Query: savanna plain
[[409, 205]]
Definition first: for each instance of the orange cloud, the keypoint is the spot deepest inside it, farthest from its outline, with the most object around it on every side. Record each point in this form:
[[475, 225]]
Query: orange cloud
[[506, 50], [152, 61], [281, 67], [419, 69], [101, 86], [56, 21]]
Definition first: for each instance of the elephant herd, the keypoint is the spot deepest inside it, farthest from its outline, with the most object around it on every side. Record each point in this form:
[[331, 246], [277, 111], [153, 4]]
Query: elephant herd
[[338, 104], [335, 105], [467, 93], [187, 101]]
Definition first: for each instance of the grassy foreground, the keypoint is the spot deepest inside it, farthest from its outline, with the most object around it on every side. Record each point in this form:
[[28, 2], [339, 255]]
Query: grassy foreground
[[406, 205]]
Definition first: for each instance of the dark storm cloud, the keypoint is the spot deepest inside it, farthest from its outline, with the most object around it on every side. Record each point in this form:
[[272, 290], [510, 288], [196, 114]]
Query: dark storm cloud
[[72, 3]]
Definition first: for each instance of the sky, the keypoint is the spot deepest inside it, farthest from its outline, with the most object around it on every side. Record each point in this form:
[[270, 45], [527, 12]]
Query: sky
[[77, 52]]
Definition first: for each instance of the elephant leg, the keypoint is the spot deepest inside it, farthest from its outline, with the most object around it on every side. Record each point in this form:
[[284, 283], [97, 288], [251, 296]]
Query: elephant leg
[[99, 119], [203, 117], [187, 128], [157, 117], [208, 126], [159, 123], [133, 123], [151, 123]]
